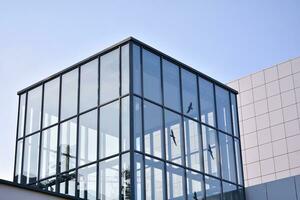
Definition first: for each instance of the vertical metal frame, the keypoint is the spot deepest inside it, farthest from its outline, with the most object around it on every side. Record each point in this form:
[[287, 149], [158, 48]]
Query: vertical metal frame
[[120, 123], [41, 127], [24, 139], [77, 133]]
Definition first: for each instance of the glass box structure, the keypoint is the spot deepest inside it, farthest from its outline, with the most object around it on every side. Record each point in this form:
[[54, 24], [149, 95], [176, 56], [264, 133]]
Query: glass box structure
[[130, 123]]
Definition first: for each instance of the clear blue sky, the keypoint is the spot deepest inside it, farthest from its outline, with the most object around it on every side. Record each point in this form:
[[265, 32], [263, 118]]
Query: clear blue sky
[[224, 39]]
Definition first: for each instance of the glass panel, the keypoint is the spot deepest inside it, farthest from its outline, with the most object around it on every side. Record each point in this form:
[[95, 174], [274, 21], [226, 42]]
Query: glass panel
[[171, 83], [173, 133], [139, 176], [213, 188], [210, 151], [234, 115], [230, 191], [125, 175], [227, 157], [207, 102], [89, 85], [31, 159], [33, 115], [137, 115], [17, 177], [238, 162], [109, 76], [87, 151], [48, 184], [153, 129], [241, 195], [109, 179], [189, 94], [67, 183], [223, 109], [87, 182], [48, 152], [69, 94], [195, 185], [125, 124], [67, 145], [125, 69], [192, 144], [137, 83], [151, 76], [155, 185], [21, 115], [109, 130], [175, 179]]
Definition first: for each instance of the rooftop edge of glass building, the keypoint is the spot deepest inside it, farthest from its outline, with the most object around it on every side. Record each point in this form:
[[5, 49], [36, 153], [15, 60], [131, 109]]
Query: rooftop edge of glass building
[[130, 123]]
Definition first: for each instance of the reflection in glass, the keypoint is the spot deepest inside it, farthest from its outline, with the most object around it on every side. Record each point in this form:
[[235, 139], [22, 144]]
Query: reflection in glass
[[109, 76], [195, 185], [33, 115], [238, 162], [125, 124], [153, 129], [48, 152], [230, 191], [189, 94], [173, 133], [210, 151], [89, 85], [87, 182], [17, 177], [175, 182], [31, 159], [125, 69], [213, 188], [125, 175], [171, 82], [223, 109], [151, 76], [109, 130], [69, 94], [87, 151], [192, 144], [109, 179], [234, 114], [139, 176], [67, 145], [67, 183], [207, 102], [154, 179], [48, 184], [136, 63], [137, 123], [21, 115]]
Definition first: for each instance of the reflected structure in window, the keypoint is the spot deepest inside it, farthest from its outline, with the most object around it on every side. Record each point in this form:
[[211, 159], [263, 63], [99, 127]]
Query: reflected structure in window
[[139, 176], [33, 112], [238, 162], [48, 184], [18, 164], [67, 183], [213, 188], [230, 191], [137, 69], [234, 114], [21, 120], [125, 124], [195, 185], [125, 177], [175, 182], [87, 182], [125, 68], [137, 124], [223, 110]]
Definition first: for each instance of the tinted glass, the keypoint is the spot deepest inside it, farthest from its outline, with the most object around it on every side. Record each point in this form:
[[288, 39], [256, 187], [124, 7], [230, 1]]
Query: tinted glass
[[139, 176], [137, 83], [213, 188], [223, 109], [109, 80], [171, 82], [33, 115], [87, 151], [89, 85], [151, 76], [67, 183], [125, 175], [48, 184], [21, 115], [207, 102], [234, 114], [125, 69], [137, 117], [109, 130], [69, 94], [125, 124], [17, 177], [175, 182], [195, 185], [153, 129], [230, 191], [189, 94], [51, 101], [238, 162], [87, 182]]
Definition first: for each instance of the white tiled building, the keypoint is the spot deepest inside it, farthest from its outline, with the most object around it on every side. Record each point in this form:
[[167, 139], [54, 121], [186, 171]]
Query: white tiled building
[[269, 114]]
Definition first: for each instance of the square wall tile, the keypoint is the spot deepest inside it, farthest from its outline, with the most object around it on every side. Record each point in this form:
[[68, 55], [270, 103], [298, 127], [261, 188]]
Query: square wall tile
[[254, 181], [284, 69], [276, 117], [292, 128], [265, 151], [234, 85], [250, 140], [252, 155], [264, 136], [274, 102], [283, 174], [281, 163], [246, 97], [296, 65], [258, 79], [279, 147], [268, 178], [272, 88], [286, 83], [271, 74], [262, 121], [294, 159], [267, 166], [293, 143], [297, 94], [297, 79], [277, 132], [245, 83], [249, 125], [290, 113], [259, 93], [253, 170], [261, 107], [288, 98], [295, 171], [248, 111]]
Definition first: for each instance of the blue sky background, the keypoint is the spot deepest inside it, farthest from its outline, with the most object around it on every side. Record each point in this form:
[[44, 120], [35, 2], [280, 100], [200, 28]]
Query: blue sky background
[[224, 39]]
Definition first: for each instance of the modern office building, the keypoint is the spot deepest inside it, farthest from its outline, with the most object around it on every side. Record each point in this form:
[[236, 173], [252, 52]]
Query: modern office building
[[269, 114], [130, 123]]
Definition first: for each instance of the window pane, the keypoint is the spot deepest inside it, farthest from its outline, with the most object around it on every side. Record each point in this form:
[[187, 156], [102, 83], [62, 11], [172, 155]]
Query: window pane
[[48, 184], [230, 191], [109, 80], [151, 76], [31, 159], [189, 94], [238, 162], [223, 109], [139, 176], [89, 85], [87, 138], [175, 179], [125, 124], [109, 130], [51, 101], [234, 114], [153, 128], [48, 152], [67, 183], [213, 188], [137, 117], [210, 151], [227, 157], [173, 132], [155, 185], [125, 175], [21, 115], [69, 94], [109, 179], [67, 145], [125, 69], [17, 177], [33, 115], [195, 186], [192, 144], [171, 83], [207, 102], [87, 182], [136, 54]]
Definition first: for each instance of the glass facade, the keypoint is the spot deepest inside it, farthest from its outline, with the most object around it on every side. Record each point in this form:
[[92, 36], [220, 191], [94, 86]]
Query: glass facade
[[130, 123]]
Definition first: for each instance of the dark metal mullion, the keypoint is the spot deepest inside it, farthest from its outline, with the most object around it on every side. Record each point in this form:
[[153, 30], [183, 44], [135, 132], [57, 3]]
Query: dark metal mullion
[[16, 145], [24, 130], [77, 133], [58, 135], [41, 125], [120, 123], [98, 131]]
